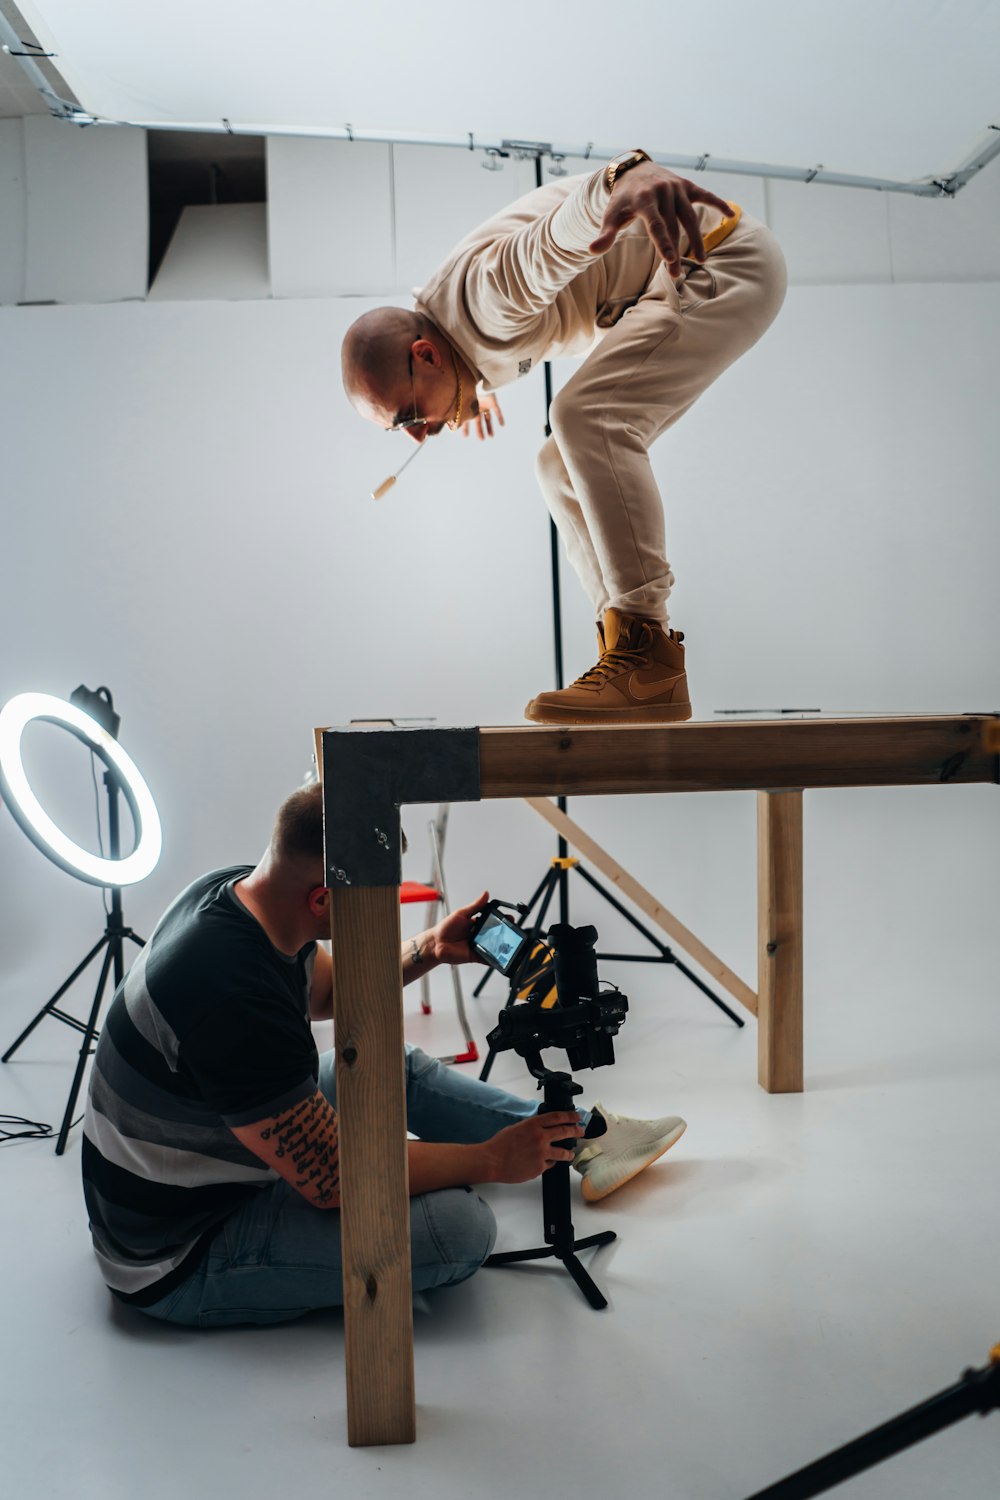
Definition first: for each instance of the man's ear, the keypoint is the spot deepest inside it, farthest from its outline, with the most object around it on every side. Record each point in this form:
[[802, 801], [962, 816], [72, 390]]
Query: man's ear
[[318, 900], [426, 352]]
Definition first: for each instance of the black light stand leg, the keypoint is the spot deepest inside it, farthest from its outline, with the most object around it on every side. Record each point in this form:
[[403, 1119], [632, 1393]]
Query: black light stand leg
[[114, 960], [559, 1241], [112, 939], [561, 845], [87, 1045], [666, 955], [49, 1008], [977, 1391]]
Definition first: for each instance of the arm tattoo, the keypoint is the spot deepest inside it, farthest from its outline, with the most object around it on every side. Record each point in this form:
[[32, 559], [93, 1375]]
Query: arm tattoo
[[415, 953], [307, 1134]]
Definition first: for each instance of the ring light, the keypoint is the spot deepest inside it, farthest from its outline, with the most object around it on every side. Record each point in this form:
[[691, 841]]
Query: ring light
[[15, 716]]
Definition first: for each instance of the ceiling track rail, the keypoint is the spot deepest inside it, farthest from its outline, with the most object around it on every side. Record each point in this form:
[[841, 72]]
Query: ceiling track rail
[[947, 185]]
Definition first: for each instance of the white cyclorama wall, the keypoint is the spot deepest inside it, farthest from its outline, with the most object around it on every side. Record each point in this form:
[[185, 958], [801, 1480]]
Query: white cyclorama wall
[[74, 212], [190, 524], [13, 211]]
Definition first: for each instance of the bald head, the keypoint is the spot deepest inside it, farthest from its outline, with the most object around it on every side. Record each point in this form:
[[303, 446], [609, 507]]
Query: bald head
[[375, 353]]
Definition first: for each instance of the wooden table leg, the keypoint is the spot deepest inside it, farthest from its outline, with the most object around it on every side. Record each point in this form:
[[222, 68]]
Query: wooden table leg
[[779, 942], [375, 1215]]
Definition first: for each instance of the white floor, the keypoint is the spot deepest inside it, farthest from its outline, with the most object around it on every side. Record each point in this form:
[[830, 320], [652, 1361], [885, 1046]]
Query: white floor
[[797, 1270]]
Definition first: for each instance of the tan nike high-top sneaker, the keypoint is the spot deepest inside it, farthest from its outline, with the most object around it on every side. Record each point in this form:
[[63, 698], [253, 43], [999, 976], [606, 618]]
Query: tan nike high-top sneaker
[[639, 679]]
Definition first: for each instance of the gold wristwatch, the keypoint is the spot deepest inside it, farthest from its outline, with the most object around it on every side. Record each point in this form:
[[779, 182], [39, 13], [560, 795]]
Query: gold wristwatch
[[624, 163]]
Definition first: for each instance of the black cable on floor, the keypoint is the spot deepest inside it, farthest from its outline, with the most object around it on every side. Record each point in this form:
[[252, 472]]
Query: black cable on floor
[[34, 1130]]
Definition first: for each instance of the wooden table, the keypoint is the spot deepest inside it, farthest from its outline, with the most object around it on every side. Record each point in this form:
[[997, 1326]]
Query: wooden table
[[369, 772]]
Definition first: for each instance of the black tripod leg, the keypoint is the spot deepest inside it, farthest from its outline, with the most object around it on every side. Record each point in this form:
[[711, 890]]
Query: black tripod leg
[[86, 1047], [47, 1007], [511, 1257], [487, 1067], [666, 953], [584, 1281], [604, 1238], [977, 1391], [588, 1287], [706, 991]]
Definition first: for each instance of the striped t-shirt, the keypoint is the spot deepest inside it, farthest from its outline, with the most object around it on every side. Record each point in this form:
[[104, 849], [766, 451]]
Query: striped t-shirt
[[208, 1029]]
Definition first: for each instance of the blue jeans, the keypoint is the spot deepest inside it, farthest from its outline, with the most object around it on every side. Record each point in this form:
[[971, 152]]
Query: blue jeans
[[278, 1257]]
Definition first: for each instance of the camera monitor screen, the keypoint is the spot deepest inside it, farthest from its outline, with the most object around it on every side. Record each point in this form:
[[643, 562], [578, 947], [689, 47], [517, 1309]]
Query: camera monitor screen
[[500, 943]]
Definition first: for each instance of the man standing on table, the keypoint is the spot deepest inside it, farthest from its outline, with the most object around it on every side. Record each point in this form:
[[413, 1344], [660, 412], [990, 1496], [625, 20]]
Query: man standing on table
[[673, 284]]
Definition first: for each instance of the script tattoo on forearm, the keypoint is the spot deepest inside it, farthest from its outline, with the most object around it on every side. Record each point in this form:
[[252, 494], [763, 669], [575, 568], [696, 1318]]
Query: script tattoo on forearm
[[307, 1134]]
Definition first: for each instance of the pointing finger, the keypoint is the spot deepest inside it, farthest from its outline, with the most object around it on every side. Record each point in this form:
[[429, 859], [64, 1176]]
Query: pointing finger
[[696, 245]]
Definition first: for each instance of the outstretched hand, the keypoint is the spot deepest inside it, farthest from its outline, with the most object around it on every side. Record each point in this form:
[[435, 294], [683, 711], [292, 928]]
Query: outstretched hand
[[482, 422], [452, 933], [665, 202]]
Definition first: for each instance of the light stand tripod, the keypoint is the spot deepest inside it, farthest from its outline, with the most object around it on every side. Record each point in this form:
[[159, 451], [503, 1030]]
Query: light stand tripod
[[557, 876], [112, 940], [559, 1241], [977, 1391]]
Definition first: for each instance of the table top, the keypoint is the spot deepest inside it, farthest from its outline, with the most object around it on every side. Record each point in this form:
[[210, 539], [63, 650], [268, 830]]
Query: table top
[[769, 749]]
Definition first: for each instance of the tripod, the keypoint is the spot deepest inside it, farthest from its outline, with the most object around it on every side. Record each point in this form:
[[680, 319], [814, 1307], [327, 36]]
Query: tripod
[[559, 1242], [112, 940]]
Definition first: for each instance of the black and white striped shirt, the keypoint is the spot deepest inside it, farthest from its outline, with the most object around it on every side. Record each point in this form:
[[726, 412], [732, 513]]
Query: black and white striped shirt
[[208, 1029]]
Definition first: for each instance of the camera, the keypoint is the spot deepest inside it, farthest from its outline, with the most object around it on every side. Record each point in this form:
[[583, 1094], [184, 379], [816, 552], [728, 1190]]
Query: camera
[[498, 940], [584, 1019]]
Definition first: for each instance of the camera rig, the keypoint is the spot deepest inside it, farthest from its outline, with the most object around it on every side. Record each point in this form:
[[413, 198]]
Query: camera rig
[[583, 1021]]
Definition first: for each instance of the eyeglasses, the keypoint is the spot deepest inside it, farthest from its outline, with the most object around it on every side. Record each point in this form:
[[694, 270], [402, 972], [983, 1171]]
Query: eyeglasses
[[413, 421]]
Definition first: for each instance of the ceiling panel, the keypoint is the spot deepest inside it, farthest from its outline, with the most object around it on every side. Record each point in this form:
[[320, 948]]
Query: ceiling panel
[[19, 91], [17, 96], [899, 89]]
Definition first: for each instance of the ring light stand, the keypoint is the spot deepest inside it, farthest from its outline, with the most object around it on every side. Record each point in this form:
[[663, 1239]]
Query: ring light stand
[[97, 730]]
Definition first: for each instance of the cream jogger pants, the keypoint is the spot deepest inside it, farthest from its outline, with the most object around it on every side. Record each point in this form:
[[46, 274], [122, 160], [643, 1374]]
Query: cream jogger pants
[[647, 370]]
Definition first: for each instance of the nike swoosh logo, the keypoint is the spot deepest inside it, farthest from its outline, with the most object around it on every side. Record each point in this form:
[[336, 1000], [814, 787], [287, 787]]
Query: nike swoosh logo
[[642, 690]]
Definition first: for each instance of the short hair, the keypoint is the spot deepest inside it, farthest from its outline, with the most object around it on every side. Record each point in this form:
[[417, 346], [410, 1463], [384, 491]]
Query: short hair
[[297, 836]]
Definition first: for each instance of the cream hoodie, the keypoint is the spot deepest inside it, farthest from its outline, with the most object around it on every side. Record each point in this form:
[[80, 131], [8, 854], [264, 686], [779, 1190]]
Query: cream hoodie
[[524, 287]]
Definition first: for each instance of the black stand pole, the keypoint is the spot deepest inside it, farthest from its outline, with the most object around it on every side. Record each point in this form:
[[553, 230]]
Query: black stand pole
[[112, 940], [562, 846], [977, 1391], [559, 1241]]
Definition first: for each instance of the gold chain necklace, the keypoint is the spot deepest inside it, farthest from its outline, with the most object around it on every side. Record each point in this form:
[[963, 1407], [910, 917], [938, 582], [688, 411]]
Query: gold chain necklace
[[456, 421]]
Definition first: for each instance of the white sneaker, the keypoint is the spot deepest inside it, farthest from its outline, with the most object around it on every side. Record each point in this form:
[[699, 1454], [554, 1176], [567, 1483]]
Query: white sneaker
[[623, 1151]]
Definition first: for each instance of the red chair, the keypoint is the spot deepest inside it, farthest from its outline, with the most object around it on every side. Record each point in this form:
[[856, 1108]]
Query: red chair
[[435, 897]]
